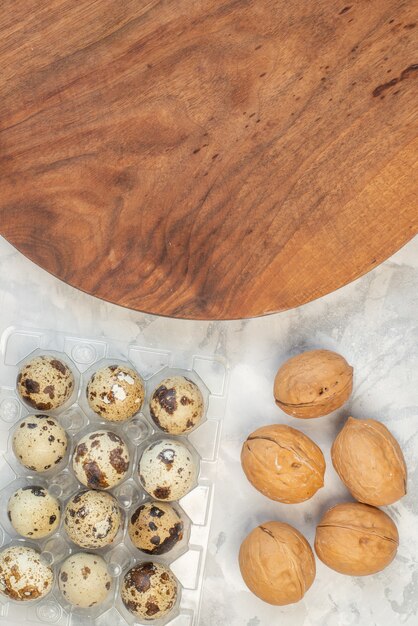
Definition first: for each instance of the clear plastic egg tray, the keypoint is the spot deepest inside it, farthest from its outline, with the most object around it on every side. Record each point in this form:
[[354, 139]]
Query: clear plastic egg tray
[[153, 363]]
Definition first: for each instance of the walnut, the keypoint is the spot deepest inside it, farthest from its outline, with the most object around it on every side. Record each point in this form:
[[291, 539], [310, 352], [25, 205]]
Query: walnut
[[283, 463], [369, 461], [313, 384], [277, 563], [356, 539]]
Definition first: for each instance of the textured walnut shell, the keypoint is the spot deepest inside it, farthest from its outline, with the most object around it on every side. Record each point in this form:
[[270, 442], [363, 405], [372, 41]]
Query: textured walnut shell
[[277, 563], [313, 384], [283, 463], [356, 539], [369, 461]]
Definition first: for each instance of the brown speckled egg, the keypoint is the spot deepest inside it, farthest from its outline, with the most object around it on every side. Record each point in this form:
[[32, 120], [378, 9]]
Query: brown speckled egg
[[33, 512], [115, 392], [176, 405], [84, 580], [39, 442], [45, 383], [23, 576], [101, 460], [167, 470], [149, 590], [155, 528], [92, 519]]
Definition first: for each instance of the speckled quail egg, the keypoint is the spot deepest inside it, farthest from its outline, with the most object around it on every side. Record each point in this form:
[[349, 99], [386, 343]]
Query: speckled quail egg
[[23, 576], [101, 460], [45, 382], [33, 512], [155, 527], [176, 405], [84, 580], [115, 392], [149, 590], [39, 442], [167, 470], [92, 519]]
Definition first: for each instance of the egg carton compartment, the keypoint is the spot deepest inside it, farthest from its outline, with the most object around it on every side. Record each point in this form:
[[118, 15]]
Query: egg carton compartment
[[186, 559], [154, 384], [89, 374], [39, 488], [175, 547], [57, 358], [52, 436]]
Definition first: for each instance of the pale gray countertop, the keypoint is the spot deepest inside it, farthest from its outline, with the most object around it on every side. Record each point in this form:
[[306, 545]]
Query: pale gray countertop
[[373, 322]]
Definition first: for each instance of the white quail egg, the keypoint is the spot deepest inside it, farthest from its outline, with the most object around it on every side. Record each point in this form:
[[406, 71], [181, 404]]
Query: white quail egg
[[155, 527], [33, 512], [45, 382], [176, 405], [92, 519], [167, 470], [115, 392], [39, 442], [101, 460], [84, 580], [149, 590], [23, 576]]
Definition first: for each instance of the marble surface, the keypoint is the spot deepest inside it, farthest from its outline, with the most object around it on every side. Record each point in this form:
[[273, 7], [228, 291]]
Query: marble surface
[[374, 323]]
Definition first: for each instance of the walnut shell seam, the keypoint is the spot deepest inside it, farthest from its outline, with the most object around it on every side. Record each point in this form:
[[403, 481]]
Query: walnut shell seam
[[361, 531], [395, 450], [315, 402], [301, 458], [284, 546]]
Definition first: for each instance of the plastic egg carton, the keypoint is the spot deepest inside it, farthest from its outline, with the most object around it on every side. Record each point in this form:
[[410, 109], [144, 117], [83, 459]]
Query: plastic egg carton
[[153, 363]]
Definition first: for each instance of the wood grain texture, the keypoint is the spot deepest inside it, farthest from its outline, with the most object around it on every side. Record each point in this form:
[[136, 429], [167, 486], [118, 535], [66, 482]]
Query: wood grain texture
[[208, 159]]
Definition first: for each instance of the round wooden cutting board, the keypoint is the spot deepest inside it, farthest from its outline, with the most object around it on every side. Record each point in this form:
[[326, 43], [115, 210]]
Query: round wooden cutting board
[[208, 159]]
